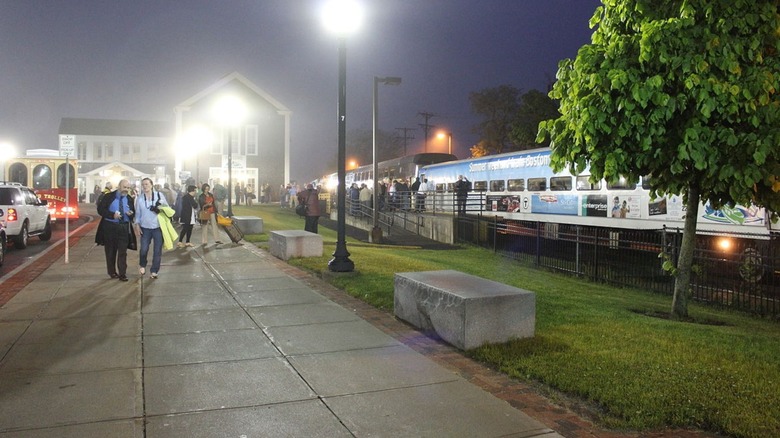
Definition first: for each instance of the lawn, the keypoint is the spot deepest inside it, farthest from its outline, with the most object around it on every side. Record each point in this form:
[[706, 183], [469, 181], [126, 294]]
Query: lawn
[[597, 343]]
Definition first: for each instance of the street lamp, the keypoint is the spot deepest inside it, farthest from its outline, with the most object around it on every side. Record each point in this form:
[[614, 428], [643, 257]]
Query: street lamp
[[449, 140], [376, 232], [343, 18], [230, 112]]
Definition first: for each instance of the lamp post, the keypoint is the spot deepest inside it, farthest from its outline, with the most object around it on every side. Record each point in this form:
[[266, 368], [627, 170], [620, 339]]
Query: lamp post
[[449, 140], [230, 112], [376, 231], [343, 18]]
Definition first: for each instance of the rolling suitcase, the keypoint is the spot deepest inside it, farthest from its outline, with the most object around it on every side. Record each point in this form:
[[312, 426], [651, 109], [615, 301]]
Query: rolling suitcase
[[230, 228]]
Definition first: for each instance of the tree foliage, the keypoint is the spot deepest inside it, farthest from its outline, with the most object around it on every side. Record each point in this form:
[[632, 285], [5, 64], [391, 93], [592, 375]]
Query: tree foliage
[[511, 118], [535, 107], [499, 107], [686, 91], [683, 90]]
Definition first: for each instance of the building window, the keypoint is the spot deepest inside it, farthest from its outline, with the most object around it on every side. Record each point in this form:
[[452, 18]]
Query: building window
[[251, 140], [125, 150], [98, 150], [82, 150], [109, 151]]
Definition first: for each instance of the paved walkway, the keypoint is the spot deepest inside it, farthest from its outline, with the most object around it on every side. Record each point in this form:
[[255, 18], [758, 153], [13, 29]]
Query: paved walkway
[[227, 342]]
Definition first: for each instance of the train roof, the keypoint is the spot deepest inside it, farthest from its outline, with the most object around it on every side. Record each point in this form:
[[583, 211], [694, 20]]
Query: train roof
[[494, 157]]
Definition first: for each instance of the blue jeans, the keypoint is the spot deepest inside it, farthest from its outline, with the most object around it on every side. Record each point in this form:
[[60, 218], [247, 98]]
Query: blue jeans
[[149, 234]]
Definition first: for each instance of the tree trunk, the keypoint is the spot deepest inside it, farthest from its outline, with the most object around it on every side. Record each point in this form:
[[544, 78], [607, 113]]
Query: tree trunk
[[682, 282]]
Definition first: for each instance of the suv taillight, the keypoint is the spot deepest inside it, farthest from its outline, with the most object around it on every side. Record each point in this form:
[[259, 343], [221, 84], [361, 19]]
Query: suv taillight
[[11, 217]]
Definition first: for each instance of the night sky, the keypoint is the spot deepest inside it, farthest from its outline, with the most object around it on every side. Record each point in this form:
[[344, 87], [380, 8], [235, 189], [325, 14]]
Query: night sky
[[137, 59]]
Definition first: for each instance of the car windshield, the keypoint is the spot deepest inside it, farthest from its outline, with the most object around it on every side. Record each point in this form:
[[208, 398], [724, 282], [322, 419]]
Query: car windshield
[[7, 196]]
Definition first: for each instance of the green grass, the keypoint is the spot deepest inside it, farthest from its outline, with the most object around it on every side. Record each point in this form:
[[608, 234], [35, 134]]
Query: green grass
[[634, 371]]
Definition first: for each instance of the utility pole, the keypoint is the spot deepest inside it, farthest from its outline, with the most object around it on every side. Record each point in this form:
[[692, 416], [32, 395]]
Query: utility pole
[[406, 136], [426, 126]]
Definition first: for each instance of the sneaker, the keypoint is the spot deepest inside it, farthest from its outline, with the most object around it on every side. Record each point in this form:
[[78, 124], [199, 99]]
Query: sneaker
[[154, 275], [142, 270]]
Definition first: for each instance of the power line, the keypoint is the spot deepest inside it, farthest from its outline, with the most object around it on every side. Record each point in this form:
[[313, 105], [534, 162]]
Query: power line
[[426, 126], [406, 137]]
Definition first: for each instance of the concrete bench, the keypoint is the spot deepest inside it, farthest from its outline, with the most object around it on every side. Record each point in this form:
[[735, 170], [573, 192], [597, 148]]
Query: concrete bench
[[286, 244], [249, 224], [464, 310]]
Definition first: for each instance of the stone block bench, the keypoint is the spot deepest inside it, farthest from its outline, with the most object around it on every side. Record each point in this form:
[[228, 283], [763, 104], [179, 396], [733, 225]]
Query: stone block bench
[[249, 224], [286, 244], [464, 310]]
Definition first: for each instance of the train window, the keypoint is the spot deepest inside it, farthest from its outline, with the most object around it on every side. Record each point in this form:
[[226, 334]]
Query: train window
[[17, 172], [450, 187], [584, 184], [537, 184], [516, 185], [480, 186], [560, 183], [441, 187], [646, 182], [71, 176], [621, 184], [42, 177], [497, 185]]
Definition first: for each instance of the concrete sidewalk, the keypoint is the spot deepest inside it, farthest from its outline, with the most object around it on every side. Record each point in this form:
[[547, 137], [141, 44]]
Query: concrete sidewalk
[[225, 343]]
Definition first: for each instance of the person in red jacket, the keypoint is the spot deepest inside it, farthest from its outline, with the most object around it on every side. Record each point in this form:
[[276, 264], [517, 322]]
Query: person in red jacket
[[311, 199]]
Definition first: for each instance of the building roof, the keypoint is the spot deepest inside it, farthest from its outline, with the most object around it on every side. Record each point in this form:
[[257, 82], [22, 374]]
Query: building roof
[[115, 128], [235, 76]]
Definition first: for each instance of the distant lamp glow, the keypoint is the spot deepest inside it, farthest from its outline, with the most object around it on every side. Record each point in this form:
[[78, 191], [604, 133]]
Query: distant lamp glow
[[342, 17], [230, 112], [724, 244], [448, 136], [7, 151]]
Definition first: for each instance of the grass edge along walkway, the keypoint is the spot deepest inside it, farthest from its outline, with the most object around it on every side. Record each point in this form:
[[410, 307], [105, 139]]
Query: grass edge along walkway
[[596, 344]]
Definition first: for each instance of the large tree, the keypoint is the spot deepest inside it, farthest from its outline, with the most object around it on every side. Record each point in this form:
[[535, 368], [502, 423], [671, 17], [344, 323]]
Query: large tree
[[499, 107], [535, 107], [683, 90]]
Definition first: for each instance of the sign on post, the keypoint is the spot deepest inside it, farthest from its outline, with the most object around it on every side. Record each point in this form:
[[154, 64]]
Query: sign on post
[[67, 145]]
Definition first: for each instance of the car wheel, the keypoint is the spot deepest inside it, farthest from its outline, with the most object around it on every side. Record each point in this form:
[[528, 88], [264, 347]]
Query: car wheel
[[46, 235], [22, 238]]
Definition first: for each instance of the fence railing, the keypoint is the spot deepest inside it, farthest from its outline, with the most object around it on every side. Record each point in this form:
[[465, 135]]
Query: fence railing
[[744, 279]]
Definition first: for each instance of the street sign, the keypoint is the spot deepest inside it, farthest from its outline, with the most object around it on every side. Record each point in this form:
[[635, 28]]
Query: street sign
[[67, 145]]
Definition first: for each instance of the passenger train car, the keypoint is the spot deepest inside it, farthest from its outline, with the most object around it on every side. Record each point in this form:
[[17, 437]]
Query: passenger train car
[[404, 167], [522, 186]]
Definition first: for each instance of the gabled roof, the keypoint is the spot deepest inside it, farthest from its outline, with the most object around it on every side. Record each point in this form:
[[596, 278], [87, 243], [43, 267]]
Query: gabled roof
[[115, 128], [226, 80], [135, 172]]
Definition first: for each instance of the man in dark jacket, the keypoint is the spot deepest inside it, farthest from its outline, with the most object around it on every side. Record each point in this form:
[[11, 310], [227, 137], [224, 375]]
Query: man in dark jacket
[[462, 189], [311, 199], [116, 212]]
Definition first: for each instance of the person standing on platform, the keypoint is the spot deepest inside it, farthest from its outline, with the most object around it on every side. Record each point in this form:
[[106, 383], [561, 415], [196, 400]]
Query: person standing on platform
[[116, 212], [188, 206], [208, 202], [311, 198]]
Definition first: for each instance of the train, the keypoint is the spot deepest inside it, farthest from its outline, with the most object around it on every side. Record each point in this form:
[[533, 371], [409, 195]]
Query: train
[[521, 186]]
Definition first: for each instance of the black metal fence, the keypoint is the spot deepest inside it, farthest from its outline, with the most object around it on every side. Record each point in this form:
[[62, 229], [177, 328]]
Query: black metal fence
[[744, 277]]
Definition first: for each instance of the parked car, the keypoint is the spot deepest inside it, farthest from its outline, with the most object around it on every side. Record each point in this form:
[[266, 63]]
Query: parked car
[[24, 215]]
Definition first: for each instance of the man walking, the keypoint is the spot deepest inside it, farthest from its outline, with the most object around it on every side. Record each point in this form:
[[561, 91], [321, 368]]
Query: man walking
[[116, 212]]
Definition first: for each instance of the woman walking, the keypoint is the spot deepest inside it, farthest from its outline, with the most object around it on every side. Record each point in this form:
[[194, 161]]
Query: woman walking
[[207, 204], [188, 207], [147, 226]]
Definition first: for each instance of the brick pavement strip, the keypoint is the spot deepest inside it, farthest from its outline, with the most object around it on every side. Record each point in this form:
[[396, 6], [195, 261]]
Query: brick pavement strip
[[522, 396], [17, 282]]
